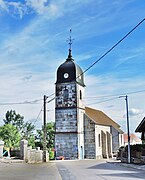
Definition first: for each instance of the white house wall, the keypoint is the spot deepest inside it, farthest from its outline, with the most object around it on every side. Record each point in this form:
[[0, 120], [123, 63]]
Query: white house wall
[[98, 130], [121, 140]]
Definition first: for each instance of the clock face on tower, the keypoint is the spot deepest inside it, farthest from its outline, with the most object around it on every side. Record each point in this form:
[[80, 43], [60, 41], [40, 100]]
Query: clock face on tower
[[66, 75]]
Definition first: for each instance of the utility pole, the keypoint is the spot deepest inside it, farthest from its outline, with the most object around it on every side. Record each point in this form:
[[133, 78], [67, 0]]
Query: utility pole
[[128, 132], [126, 98], [44, 130], [44, 127]]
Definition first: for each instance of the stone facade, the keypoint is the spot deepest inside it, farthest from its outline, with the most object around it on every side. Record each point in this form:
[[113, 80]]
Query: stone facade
[[115, 140], [89, 138], [69, 114], [66, 138], [66, 145]]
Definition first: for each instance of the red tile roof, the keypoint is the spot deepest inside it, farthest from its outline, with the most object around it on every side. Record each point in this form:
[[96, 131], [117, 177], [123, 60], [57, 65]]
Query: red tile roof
[[133, 137]]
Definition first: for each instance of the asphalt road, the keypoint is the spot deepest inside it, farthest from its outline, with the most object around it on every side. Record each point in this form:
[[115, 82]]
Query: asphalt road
[[23, 171], [97, 170], [69, 170]]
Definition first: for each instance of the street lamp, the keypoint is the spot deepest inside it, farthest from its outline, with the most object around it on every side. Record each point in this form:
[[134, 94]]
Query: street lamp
[[128, 132]]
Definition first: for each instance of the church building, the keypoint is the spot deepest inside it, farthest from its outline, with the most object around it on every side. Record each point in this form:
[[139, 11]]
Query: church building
[[80, 131]]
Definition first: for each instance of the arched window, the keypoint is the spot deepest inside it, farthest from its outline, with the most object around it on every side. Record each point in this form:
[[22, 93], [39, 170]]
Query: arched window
[[99, 140], [80, 94]]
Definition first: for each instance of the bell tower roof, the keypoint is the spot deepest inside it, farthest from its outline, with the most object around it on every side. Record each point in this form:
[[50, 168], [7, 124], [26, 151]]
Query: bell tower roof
[[69, 71]]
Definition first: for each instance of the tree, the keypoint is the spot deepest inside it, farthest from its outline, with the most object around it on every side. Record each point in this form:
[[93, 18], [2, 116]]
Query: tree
[[10, 135], [27, 133], [25, 129], [15, 119], [49, 136]]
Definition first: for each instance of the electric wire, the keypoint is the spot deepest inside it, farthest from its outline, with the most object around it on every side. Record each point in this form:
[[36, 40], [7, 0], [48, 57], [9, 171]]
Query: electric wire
[[107, 52], [24, 102], [38, 115], [103, 101], [133, 92], [42, 108], [31, 102]]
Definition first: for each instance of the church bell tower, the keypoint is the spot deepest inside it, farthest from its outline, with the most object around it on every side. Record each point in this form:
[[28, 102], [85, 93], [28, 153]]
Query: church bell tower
[[69, 110]]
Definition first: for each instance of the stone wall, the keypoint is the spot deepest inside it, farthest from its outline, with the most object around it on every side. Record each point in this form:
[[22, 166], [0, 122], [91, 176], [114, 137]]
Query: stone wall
[[31, 155], [89, 138], [1, 148], [66, 139], [115, 140], [66, 145]]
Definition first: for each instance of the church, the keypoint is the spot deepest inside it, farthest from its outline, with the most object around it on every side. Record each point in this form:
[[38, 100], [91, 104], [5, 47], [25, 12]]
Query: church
[[81, 132]]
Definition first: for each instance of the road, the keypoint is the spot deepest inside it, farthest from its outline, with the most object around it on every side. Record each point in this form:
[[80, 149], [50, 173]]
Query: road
[[69, 170], [24, 171], [97, 170]]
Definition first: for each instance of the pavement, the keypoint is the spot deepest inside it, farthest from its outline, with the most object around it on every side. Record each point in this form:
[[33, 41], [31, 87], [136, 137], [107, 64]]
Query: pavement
[[16, 169], [135, 166], [50, 170]]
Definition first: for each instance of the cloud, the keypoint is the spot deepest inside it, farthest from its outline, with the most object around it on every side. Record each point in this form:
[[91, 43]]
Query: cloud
[[41, 7], [27, 78], [14, 8], [3, 5], [135, 112]]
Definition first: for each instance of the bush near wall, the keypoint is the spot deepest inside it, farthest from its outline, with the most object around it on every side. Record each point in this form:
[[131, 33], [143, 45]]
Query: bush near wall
[[137, 153]]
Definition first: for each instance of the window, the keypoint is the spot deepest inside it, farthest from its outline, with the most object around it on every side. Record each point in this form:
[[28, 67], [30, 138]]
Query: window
[[99, 140], [80, 94]]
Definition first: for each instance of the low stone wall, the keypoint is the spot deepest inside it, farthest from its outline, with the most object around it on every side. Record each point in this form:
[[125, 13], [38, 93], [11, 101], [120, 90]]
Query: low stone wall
[[1, 148], [31, 155], [136, 157]]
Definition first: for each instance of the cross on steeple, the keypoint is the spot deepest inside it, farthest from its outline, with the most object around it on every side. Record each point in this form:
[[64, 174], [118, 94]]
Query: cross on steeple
[[70, 46], [70, 40]]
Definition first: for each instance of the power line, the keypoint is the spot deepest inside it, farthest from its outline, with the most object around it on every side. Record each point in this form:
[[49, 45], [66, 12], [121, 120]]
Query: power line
[[51, 99], [42, 108], [107, 52], [102, 101], [115, 97], [112, 47], [133, 92], [24, 102], [38, 115], [50, 95]]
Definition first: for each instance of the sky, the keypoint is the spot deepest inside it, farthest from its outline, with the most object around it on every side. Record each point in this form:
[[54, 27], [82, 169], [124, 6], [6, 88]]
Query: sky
[[33, 43]]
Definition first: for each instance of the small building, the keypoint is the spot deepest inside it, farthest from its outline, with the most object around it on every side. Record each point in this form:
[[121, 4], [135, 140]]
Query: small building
[[133, 139], [141, 129], [102, 136]]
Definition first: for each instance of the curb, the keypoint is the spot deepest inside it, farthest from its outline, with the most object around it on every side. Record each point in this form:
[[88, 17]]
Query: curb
[[11, 161]]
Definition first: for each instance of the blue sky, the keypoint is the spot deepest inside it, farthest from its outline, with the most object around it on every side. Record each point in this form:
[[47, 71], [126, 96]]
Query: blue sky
[[33, 43]]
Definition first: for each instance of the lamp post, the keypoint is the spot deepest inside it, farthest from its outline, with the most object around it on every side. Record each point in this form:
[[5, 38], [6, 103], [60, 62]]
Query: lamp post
[[128, 132], [44, 130]]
